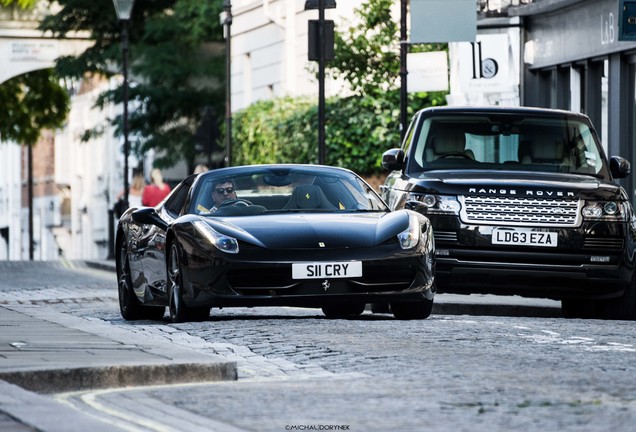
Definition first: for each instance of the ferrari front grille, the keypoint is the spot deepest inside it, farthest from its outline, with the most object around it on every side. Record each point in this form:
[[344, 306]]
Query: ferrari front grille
[[377, 276]]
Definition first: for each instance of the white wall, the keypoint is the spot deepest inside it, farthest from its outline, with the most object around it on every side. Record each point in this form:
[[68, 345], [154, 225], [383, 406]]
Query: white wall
[[10, 190], [92, 173], [269, 50]]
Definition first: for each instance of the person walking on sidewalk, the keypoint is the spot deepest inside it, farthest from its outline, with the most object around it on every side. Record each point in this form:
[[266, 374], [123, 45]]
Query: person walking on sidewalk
[[156, 191]]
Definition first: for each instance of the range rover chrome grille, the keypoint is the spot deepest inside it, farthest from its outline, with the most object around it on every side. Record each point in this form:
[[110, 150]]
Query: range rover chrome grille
[[520, 211]]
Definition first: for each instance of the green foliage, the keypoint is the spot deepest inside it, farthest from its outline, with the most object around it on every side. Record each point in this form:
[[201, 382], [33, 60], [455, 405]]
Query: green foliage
[[24, 4], [176, 70], [367, 54], [275, 131], [358, 130], [30, 103]]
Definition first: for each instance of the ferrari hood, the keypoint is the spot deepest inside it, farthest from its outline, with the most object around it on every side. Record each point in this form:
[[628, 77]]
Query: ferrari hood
[[303, 230]]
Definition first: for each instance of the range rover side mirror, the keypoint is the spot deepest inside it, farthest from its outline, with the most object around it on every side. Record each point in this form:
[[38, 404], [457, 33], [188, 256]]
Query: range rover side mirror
[[619, 167], [393, 159]]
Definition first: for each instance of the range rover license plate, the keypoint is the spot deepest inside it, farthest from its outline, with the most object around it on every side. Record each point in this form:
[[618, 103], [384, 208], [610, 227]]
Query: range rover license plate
[[327, 270], [524, 237]]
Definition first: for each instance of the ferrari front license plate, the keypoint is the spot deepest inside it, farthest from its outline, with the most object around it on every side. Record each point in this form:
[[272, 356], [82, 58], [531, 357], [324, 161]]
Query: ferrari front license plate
[[524, 237], [327, 270]]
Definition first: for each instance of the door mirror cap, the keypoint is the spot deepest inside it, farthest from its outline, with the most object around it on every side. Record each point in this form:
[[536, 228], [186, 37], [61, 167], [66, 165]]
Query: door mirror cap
[[149, 216], [393, 159], [619, 167]]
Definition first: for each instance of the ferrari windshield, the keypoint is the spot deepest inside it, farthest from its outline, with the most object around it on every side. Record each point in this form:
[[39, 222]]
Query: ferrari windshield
[[506, 142], [245, 191]]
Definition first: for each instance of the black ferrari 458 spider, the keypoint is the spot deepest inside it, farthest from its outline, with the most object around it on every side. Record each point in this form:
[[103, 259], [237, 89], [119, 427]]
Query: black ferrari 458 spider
[[273, 235]]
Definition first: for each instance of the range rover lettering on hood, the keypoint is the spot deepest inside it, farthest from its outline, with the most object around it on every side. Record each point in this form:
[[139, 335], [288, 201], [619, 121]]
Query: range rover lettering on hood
[[515, 192]]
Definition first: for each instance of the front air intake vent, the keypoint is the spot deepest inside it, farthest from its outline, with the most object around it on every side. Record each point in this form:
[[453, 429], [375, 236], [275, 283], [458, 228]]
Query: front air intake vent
[[602, 243], [445, 236]]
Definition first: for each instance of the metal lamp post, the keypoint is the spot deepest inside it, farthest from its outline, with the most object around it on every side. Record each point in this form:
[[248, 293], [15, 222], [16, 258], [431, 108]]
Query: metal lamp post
[[404, 47], [124, 11], [226, 21], [321, 49]]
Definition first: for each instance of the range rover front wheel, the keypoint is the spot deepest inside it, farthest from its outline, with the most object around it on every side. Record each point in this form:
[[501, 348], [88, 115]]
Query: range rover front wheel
[[620, 308]]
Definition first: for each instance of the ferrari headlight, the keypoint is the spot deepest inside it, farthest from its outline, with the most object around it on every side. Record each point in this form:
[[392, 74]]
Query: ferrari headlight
[[607, 210], [410, 236], [220, 241], [438, 204]]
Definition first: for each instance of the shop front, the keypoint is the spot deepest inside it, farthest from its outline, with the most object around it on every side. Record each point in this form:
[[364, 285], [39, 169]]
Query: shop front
[[574, 59]]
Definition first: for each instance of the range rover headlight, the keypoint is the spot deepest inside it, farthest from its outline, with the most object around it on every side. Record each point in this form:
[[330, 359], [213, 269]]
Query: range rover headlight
[[410, 237], [608, 210], [438, 204], [220, 241]]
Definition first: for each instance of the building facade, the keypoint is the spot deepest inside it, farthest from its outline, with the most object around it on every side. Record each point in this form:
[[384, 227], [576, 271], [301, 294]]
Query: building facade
[[574, 59], [270, 49], [74, 183]]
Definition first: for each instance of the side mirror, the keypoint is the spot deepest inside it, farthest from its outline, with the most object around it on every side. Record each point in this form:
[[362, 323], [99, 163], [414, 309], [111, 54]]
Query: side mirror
[[149, 216], [393, 159], [619, 167]]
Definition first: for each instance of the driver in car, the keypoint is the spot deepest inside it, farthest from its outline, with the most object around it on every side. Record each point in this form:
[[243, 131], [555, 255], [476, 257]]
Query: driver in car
[[223, 191]]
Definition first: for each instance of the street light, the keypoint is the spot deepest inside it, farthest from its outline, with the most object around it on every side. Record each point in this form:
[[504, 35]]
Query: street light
[[124, 11], [226, 20], [321, 38]]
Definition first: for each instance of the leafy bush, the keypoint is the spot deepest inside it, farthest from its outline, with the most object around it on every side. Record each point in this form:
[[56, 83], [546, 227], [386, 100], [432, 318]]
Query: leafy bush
[[358, 130]]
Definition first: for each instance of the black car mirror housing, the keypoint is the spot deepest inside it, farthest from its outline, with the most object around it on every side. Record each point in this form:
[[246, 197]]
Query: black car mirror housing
[[393, 159], [619, 167], [148, 215]]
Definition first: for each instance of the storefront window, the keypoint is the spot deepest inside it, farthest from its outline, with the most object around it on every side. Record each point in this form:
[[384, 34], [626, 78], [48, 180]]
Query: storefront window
[[605, 105]]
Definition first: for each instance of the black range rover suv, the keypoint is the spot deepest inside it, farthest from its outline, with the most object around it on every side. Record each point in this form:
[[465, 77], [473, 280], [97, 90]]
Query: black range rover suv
[[522, 201]]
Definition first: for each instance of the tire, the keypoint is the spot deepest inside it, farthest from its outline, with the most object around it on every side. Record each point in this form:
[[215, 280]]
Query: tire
[[620, 308], [179, 311], [129, 306], [343, 310], [412, 310], [578, 308]]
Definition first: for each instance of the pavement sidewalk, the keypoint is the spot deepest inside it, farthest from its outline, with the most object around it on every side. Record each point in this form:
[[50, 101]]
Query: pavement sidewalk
[[39, 356]]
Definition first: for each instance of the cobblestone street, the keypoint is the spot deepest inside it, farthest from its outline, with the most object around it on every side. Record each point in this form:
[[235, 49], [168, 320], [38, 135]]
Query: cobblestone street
[[460, 373]]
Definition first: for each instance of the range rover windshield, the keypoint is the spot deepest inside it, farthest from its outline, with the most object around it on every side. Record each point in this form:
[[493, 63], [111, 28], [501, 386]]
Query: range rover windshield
[[515, 143]]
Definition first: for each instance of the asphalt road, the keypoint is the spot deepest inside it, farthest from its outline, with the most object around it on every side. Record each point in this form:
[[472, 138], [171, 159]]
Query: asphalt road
[[300, 371]]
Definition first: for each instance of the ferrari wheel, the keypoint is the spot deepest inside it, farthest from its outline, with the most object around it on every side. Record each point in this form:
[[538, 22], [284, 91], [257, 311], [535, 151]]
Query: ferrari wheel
[[129, 306], [412, 310], [343, 310], [179, 311]]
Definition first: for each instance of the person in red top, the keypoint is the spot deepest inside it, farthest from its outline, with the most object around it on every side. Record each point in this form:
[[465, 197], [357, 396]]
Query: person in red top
[[156, 191]]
